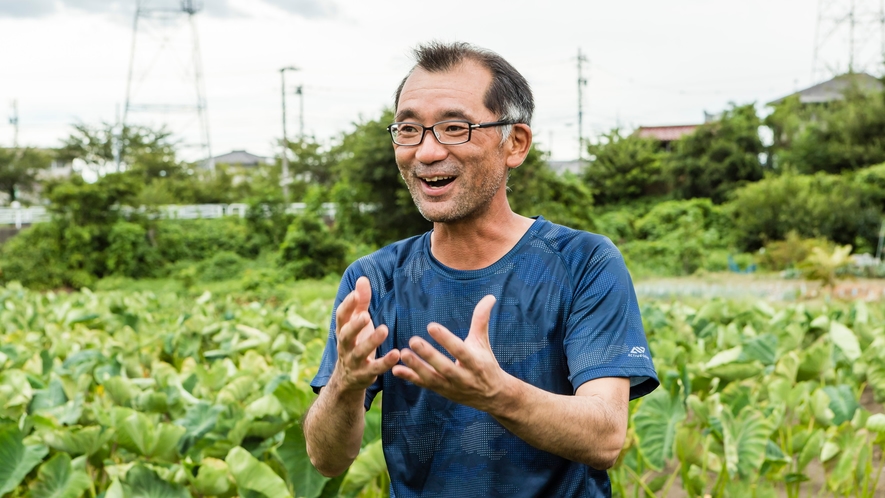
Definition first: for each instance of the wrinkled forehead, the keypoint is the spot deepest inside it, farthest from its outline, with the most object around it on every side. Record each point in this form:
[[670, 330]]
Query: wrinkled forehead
[[455, 93]]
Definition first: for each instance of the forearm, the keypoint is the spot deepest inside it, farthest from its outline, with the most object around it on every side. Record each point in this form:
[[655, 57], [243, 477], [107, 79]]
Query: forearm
[[584, 428], [333, 428]]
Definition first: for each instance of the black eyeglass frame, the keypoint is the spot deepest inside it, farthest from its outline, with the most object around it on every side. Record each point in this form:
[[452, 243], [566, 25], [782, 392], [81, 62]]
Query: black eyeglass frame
[[424, 129]]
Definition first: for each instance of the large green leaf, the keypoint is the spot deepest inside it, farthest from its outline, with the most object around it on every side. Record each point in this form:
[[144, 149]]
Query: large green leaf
[[304, 478], [197, 422], [78, 440], [253, 475], [236, 390], [16, 458], [655, 423], [367, 466], [842, 403], [876, 423], [815, 360], [745, 438], [142, 482], [844, 339], [811, 449], [213, 477], [138, 432], [762, 348], [56, 478]]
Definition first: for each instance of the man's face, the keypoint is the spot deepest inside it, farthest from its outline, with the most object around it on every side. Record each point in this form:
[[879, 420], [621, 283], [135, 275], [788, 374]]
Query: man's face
[[451, 182]]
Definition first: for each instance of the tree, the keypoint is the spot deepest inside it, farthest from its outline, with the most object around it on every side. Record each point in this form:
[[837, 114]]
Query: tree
[[718, 157], [842, 135], [19, 169], [623, 168], [149, 152], [831, 206], [374, 204], [535, 189]]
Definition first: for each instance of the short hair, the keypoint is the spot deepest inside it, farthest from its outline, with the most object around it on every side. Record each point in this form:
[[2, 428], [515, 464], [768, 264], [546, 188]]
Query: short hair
[[509, 95]]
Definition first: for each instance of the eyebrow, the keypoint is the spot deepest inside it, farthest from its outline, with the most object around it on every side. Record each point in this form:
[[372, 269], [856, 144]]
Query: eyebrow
[[410, 114]]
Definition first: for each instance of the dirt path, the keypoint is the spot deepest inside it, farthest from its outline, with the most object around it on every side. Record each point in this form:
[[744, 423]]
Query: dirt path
[[770, 287]]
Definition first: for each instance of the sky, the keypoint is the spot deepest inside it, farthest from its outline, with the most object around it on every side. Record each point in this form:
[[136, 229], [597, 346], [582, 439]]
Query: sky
[[648, 62]]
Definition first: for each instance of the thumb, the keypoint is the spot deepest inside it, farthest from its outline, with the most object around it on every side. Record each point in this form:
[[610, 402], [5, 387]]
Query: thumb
[[479, 324]]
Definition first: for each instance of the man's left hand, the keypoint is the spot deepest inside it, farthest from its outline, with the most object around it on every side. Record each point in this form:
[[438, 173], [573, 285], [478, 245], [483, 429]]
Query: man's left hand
[[475, 379]]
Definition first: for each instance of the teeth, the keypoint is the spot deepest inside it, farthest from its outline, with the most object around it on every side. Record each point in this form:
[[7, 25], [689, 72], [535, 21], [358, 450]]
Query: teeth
[[436, 178]]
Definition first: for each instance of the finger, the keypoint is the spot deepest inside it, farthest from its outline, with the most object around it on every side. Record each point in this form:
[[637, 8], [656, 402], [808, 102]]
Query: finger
[[385, 363], [479, 324], [345, 310], [406, 373], [363, 292], [350, 330], [452, 343], [429, 376], [365, 348]]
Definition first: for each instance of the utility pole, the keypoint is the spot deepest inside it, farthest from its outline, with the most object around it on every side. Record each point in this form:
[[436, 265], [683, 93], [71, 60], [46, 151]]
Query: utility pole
[[300, 92], [285, 181], [13, 120], [582, 82]]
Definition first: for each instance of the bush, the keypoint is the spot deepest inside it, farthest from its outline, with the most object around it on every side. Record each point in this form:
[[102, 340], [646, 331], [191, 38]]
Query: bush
[[818, 206], [181, 240], [535, 189], [676, 237], [780, 255], [310, 249], [225, 265], [843, 135], [34, 258], [129, 253]]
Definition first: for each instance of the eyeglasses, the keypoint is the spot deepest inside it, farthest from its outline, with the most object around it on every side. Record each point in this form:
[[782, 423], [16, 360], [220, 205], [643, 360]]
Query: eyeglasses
[[446, 132]]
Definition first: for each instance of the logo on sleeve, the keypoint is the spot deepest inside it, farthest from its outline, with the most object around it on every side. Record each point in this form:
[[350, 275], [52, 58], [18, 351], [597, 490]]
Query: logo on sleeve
[[637, 352]]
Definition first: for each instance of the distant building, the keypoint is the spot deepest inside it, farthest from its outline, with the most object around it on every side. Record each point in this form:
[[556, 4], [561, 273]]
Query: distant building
[[242, 158], [835, 89], [665, 135], [574, 166]]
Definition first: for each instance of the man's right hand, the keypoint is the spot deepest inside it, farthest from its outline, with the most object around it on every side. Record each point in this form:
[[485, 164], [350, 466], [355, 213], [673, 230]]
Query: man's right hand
[[357, 366]]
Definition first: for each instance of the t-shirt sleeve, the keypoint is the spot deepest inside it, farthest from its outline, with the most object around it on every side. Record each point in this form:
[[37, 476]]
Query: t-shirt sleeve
[[604, 333], [330, 354]]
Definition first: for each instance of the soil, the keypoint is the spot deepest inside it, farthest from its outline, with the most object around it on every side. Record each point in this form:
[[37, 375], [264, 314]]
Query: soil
[[770, 287]]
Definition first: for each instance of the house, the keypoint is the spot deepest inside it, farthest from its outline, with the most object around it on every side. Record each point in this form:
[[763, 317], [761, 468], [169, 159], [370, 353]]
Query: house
[[242, 158], [835, 89], [665, 135]]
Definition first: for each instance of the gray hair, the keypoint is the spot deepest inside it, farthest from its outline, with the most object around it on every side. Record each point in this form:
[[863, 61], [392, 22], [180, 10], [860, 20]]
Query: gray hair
[[509, 96]]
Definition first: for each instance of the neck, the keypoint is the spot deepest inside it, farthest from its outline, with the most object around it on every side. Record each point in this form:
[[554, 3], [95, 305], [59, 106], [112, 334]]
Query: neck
[[476, 243]]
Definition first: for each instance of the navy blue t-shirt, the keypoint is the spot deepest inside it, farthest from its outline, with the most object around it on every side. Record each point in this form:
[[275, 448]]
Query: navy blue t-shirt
[[566, 313]]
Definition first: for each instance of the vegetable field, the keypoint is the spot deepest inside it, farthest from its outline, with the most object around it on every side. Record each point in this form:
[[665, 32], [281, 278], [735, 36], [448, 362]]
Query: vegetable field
[[145, 394]]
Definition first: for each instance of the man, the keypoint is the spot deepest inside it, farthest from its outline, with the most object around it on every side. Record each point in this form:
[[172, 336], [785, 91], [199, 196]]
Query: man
[[507, 347]]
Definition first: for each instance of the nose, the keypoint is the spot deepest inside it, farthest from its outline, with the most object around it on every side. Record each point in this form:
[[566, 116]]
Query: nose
[[430, 150]]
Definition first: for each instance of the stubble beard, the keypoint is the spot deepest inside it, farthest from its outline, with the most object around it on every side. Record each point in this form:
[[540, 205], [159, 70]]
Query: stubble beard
[[469, 202]]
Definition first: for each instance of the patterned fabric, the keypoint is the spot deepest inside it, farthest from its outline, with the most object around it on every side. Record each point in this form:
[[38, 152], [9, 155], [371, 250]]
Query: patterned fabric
[[566, 313]]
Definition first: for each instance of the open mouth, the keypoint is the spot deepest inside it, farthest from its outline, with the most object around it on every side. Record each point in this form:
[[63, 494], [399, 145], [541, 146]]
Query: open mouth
[[438, 181]]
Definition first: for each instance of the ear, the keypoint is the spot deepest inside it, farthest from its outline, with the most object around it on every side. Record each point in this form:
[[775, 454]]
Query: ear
[[517, 145]]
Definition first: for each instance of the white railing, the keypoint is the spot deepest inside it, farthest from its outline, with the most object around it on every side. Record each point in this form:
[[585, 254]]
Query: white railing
[[35, 214]]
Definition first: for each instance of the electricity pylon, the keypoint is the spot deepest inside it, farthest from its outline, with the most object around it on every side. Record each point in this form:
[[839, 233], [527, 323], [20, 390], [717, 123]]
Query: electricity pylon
[[850, 37], [165, 84]]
